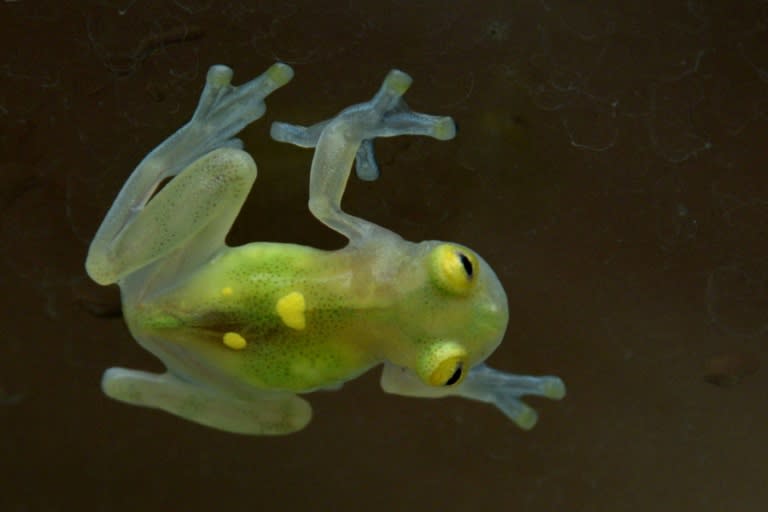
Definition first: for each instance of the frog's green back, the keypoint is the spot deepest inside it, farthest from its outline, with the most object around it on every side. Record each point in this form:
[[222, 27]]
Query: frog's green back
[[280, 315]]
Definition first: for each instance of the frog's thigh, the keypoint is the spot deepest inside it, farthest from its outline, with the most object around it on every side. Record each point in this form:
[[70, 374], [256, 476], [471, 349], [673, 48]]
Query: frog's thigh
[[272, 414], [195, 209]]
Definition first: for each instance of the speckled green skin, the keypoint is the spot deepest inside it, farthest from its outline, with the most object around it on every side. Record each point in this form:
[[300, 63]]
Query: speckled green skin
[[353, 319], [195, 315]]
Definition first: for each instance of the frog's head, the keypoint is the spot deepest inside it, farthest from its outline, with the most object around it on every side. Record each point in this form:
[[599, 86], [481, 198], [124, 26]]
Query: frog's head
[[457, 317]]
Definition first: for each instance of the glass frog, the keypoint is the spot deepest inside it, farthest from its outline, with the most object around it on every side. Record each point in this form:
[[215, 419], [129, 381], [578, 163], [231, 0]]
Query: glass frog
[[243, 331]]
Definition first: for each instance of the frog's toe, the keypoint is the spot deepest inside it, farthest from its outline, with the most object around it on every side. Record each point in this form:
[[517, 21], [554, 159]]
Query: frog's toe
[[396, 82], [219, 76], [443, 128], [279, 74], [547, 386], [268, 414], [366, 167], [512, 407], [552, 387]]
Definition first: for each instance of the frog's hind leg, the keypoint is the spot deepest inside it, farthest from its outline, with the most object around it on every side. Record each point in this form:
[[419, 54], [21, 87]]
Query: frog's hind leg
[[194, 211], [349, 137], [223, 111], [270, 414]]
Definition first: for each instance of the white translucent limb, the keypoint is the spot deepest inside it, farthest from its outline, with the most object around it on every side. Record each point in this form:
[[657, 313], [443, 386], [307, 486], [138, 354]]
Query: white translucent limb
[[222, 112], [195, 210], [483, 384], [302, 136], [307, 137], [338, 142], [268, 415]]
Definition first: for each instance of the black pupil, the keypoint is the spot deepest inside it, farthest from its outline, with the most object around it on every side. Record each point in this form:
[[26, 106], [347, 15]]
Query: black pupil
[[455, 377], [466, 264]]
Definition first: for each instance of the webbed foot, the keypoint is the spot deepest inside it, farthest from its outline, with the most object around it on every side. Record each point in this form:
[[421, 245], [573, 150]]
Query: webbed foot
[[505, 389], [485, 385], [222, 112], [394, 118]]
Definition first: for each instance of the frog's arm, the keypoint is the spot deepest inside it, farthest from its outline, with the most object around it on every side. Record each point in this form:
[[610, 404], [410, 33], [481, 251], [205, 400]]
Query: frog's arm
[[265, 414], [348, 135], [119, 245], [484, 384]]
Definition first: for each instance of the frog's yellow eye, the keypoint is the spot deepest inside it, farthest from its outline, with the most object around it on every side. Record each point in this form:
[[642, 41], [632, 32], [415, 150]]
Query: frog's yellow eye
[[448, 373], [454, 268], [444, 364]]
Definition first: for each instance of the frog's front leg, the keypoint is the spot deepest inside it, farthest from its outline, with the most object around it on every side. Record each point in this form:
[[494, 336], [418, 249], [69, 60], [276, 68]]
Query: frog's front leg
[[340, 140], [484, 384], [261, 414], [128, 238]]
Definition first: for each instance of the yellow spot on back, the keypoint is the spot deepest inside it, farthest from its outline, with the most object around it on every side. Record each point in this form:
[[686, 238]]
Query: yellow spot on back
[[234, 341], [226, 291], [291, 310]]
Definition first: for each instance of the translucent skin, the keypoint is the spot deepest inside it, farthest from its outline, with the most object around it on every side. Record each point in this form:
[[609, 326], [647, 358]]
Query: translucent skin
[[243, 330]]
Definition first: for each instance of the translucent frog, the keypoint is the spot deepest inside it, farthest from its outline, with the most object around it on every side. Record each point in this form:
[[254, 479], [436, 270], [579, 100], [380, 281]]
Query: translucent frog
[[243, 331]]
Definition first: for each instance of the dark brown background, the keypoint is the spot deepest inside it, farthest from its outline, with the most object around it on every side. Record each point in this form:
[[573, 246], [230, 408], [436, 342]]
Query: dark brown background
[[611, 165]]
